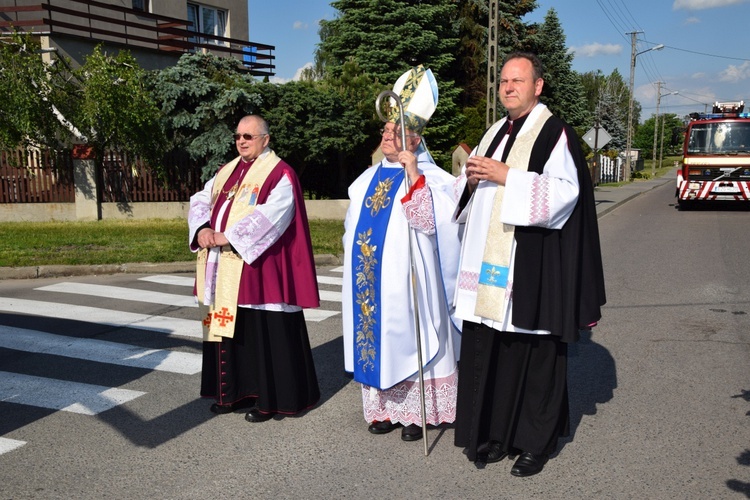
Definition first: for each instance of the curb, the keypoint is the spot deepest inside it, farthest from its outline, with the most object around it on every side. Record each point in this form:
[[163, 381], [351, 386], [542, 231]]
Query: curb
[[33, 272]]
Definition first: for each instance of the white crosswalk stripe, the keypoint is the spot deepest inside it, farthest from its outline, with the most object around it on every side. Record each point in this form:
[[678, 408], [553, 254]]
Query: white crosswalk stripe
[[117, 292], [325, 295], [7, 445], [74, 396], [165, 279], [101, 351], [172, 326]]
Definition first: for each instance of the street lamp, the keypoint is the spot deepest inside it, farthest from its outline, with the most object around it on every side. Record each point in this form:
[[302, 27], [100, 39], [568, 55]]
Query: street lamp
[[656, 124], [633, 55]]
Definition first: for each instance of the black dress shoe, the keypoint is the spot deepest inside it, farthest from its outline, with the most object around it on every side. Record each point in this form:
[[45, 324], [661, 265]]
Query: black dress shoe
[[383, 427], [411, 432], [256, 416], [221, 409], [528, 464], [494, 453]]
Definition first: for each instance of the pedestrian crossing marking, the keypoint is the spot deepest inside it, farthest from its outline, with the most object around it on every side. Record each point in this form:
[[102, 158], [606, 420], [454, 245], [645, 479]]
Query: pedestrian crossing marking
[[317, 315], [166, 279], [116, 292], [7, 444], [330, 280], [172, 326], [330, 296], [185, 281], [101, 351], [74, 397], [91, 399]]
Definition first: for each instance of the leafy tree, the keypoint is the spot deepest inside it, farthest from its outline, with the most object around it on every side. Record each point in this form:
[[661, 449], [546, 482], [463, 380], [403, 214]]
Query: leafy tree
[[115, 110], [563, 91], [644, 138], [326, 128], [607, 102], [103, 103], [33, 93], [203, 97]]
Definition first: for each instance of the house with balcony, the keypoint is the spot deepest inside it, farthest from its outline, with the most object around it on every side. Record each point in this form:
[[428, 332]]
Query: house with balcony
[[155, 32], [63, 186]]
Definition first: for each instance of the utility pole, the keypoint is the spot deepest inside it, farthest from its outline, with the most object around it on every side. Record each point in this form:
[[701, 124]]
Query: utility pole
[[633, 55], [661, 147], [492, 64], [626, 173], [656, 127]]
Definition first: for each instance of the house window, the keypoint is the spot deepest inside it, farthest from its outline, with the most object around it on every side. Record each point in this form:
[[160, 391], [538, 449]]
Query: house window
[[140, 5], [208, 21]]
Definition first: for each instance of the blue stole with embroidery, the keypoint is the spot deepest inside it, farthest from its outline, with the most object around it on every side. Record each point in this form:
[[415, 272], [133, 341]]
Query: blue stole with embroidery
[[366, 264]]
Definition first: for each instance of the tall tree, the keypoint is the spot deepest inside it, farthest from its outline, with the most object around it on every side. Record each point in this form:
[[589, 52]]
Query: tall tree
[[513, 32], [470, 67], [203, 97], [115, 108], [325, 129], [607, 103], [386, 38], [563, 92]]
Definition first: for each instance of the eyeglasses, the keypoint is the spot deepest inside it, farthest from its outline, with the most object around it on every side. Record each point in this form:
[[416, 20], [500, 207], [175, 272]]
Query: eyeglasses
[[247, 137], [393, 133]]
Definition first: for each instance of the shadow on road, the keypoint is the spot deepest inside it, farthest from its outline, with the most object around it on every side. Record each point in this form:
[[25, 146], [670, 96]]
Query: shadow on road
[[592, 378], [743, 458]]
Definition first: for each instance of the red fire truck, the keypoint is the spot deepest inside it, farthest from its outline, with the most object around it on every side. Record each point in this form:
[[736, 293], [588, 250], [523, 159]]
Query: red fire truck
[[716, 156]]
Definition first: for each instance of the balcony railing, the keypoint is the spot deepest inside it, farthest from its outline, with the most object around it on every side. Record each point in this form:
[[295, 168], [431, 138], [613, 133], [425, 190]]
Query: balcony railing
[[112, 23]]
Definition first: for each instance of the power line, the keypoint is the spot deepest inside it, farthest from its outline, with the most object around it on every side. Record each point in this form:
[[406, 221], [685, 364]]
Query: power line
[[620, 29], [706, 54]]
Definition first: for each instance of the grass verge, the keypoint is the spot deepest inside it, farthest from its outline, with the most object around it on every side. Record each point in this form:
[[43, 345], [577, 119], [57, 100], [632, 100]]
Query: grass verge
[[120, 242]]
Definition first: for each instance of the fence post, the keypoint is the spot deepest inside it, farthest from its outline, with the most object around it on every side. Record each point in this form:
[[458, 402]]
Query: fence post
[[84, 176]]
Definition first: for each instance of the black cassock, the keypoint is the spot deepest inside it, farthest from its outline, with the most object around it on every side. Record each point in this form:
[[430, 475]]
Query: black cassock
[[269, 358], [512, 387]]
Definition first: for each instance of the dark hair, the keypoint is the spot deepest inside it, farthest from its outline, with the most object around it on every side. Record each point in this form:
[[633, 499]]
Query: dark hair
[[537, 70]]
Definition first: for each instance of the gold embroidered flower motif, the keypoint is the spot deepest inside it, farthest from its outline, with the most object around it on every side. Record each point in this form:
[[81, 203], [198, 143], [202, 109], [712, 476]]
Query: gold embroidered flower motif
[[365, 298]]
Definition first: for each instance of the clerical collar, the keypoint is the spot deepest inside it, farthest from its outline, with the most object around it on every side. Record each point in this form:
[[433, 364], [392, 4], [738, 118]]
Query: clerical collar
[[515, 125]]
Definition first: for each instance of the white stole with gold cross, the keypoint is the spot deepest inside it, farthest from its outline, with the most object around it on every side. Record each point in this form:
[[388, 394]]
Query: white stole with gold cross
[[218, 302]]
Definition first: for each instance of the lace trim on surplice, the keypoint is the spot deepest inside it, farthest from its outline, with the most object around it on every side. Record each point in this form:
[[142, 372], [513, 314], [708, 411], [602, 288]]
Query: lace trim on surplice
[[402, 403]]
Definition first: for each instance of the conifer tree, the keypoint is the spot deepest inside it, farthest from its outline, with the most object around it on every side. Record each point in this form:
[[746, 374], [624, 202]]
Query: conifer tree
[[388, 37], [563, 92]]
